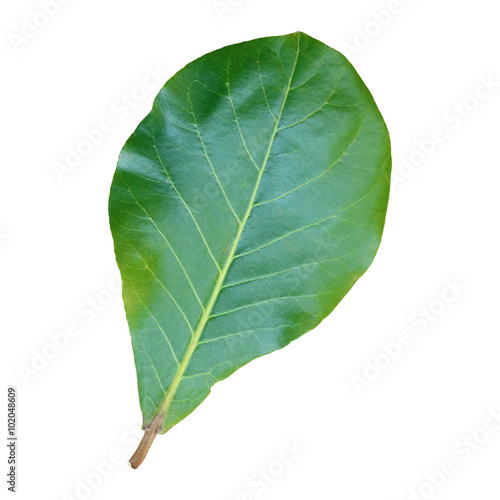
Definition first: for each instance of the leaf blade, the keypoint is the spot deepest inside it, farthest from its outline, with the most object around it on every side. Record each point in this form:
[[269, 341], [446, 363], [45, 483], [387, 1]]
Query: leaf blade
[[249, 260]]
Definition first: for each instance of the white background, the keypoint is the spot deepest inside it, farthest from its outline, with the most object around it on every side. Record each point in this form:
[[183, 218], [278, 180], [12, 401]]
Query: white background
[[80, 408]]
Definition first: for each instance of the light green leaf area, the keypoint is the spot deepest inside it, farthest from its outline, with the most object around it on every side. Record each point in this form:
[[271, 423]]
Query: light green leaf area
[[244, 207]]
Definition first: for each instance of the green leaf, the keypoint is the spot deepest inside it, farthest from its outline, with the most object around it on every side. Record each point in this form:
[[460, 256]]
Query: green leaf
[[243, 209]]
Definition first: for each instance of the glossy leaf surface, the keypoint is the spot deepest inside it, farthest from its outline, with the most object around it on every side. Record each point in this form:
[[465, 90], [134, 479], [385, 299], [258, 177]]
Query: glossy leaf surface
[[243, 209]]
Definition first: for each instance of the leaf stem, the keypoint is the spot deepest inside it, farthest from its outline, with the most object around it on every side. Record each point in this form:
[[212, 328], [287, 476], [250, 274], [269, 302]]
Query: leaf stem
[[152, 430], [147, 440]]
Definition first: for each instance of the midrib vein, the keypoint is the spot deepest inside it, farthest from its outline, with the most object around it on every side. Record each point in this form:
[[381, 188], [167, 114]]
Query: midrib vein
[[170, 394]]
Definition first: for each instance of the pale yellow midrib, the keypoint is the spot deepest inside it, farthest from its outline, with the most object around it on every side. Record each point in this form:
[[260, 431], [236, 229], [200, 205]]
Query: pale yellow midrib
[[170, 394]]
